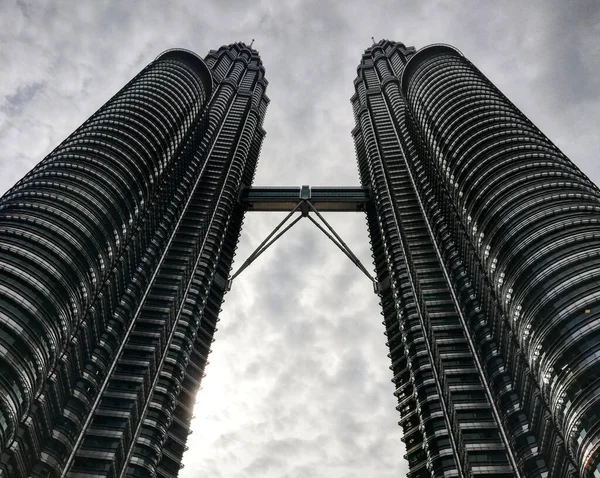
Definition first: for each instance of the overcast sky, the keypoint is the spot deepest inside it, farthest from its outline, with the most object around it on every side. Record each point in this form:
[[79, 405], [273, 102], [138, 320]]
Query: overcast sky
[[298, 383]]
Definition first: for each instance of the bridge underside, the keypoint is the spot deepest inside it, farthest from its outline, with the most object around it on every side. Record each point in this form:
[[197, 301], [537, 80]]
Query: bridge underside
[[284, 199], [305, 199]]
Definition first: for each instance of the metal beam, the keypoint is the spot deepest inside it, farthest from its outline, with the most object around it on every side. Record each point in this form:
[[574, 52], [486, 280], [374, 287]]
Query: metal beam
[[325, 199]]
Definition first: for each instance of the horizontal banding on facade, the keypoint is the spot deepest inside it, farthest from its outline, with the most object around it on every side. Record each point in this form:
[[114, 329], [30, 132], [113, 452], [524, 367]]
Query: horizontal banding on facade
[[194, 61], [533, 219], [65, 225]]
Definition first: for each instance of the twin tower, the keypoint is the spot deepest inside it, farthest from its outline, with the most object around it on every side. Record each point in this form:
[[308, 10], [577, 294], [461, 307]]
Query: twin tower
[[116, 251]]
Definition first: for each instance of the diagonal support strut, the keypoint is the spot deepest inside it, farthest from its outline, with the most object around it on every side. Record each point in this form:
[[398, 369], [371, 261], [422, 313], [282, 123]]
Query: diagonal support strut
[[305, 206]]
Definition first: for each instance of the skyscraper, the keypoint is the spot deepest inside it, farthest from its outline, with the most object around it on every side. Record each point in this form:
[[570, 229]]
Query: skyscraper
[[116, 249], [114, 254], [486, 240]]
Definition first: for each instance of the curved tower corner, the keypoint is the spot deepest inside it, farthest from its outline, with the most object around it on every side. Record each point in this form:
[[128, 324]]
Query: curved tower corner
[[531, 218], [75, 234], [486, 236]]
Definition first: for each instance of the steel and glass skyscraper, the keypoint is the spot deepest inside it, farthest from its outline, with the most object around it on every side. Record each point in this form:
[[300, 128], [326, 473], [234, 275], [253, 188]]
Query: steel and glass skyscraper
[[486, 241], [114, 254], [116, 249]]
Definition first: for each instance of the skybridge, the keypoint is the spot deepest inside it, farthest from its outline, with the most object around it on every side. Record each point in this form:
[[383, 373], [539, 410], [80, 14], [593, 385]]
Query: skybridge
[[324, 199], [305, 200]]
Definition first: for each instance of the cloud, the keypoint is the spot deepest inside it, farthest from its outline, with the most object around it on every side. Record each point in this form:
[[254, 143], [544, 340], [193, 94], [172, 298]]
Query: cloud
[[298, 384]]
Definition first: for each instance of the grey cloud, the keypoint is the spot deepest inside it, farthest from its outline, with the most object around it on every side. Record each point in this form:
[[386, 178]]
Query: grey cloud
[[14, 103], [298, 383]]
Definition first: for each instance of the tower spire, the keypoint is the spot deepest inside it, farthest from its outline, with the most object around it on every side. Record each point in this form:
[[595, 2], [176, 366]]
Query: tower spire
[[252, 43]]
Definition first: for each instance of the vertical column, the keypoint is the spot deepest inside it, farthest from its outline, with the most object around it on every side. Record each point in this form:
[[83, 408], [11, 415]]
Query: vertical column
[[234, 153], [431, 444]]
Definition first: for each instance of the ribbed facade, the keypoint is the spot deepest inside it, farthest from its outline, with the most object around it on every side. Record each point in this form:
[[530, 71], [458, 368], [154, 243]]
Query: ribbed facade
[[487, 238], [114, 254]]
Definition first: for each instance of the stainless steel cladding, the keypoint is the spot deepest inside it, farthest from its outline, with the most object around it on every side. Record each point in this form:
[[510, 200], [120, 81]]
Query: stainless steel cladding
[[488, 236], [113, 251]]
